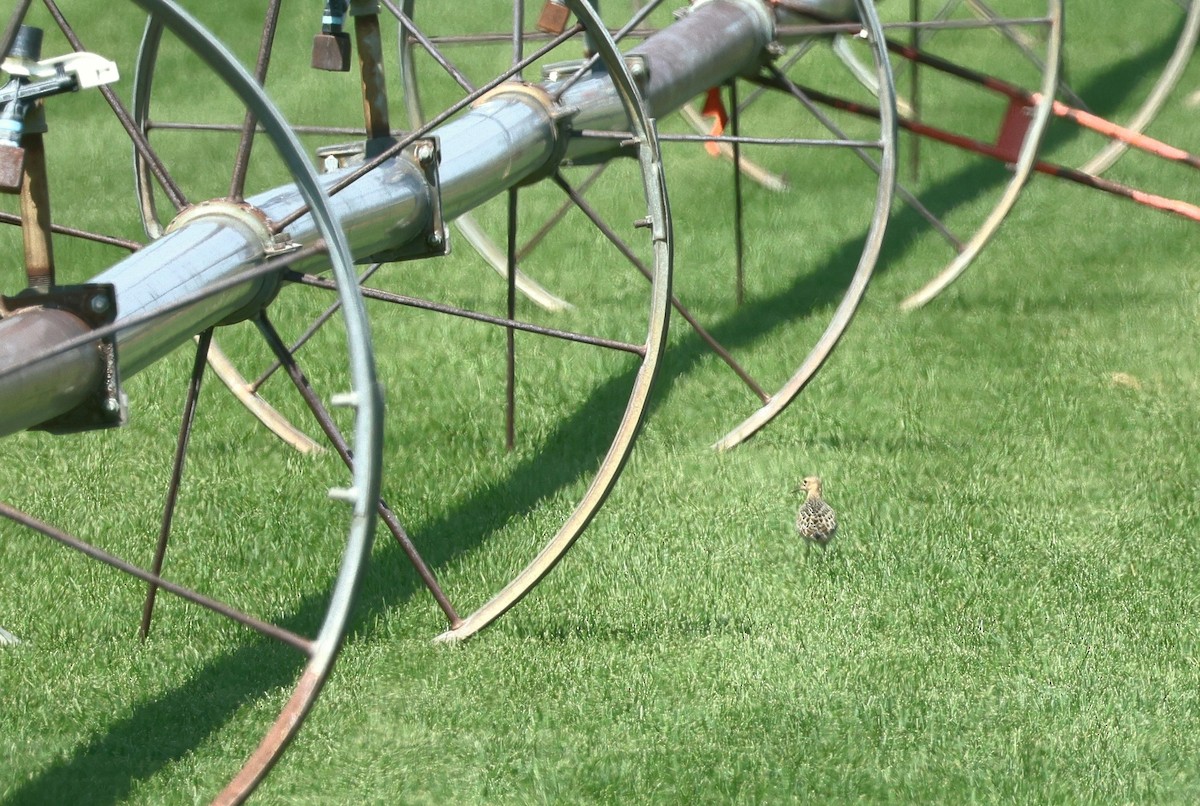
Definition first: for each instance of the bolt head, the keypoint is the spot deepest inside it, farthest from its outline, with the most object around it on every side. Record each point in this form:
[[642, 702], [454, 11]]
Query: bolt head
[[98, 303]]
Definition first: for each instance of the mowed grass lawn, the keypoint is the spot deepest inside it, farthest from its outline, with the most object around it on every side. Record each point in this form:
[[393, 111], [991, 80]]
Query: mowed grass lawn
[[1007, 615]]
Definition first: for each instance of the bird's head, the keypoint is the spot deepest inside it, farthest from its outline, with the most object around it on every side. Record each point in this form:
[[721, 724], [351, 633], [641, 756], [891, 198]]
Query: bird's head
[[811, 485]]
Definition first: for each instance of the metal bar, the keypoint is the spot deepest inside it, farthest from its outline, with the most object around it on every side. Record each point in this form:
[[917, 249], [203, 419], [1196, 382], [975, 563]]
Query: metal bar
[[914, 42], [369, 43], [35, 214], [739, 243], [312, 330], [545, 229], [462, 313], [678, 306], [725, 138], [510, 346], [181, 446], [241, 162], [132, 246], [168, 125], [70, 541]]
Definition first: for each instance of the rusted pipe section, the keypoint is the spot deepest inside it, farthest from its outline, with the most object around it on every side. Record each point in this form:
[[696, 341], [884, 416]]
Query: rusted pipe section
[[34, 393]]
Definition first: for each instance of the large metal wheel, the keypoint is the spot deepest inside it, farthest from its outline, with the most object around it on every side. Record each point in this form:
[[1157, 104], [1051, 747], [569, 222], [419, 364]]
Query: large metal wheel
[[500, 353], [66, 329], [771, 125]]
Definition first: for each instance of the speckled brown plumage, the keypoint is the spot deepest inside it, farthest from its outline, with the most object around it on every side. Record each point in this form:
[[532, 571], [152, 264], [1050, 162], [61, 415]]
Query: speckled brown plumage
[[816, 520]]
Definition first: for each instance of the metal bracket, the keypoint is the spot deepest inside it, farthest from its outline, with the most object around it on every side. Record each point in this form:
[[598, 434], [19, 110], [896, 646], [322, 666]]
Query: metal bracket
[[425, 153], [96, 305]]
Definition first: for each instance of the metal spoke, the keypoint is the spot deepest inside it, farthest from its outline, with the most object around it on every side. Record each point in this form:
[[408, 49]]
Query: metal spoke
[[678, 306], [288, 637], [241, 163], [181, 446], [310, 331], [438, 307]]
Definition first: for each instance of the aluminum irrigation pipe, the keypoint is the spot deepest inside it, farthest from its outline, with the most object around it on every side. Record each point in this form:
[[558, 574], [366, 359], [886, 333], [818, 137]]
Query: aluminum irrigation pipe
[[512, 135]]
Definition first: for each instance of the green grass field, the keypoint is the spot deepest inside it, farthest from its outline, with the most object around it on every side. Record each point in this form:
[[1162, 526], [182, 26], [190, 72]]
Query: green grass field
[[1005, 615]]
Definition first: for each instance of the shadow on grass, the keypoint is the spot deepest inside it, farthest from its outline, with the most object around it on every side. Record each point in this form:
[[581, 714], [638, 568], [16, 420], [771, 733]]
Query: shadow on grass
[[172, 725]]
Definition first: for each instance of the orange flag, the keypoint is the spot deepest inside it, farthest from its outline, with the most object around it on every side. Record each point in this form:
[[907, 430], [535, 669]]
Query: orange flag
[[714, 108]]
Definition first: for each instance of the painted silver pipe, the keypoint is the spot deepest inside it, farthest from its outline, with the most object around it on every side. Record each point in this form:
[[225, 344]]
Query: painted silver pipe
[[510, 137]]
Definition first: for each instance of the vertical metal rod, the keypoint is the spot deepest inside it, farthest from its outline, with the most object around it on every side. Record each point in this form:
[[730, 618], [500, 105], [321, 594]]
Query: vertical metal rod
[[338, 441], [241, 163], [35, 214], [181, 446], [738, 230], [518, 33], [914, 41], [369, 42], [510, 372]]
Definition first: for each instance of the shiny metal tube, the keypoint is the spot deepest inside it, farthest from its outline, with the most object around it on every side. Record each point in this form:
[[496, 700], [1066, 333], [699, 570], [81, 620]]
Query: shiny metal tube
[[184, 262], [509, 138]]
